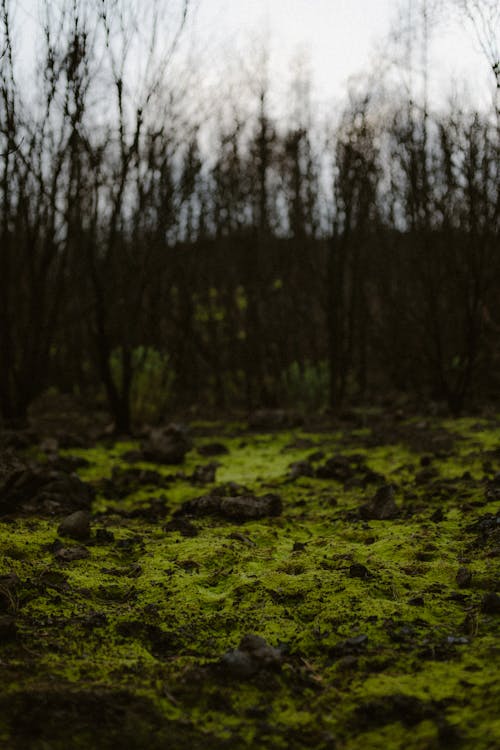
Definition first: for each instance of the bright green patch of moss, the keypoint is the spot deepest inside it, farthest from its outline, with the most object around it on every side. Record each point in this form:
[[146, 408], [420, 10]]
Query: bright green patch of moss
[[153, 611]]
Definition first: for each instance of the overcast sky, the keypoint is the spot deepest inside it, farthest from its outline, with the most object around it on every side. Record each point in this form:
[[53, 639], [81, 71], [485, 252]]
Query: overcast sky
[[340, 37]]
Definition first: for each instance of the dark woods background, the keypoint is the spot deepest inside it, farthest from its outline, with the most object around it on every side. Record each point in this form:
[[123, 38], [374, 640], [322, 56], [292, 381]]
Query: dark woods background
[[162, 252]]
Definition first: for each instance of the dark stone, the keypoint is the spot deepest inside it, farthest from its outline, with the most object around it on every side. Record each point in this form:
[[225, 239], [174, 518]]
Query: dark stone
[[125, 481], [230, 489], [75, 526], [336, 467], [299, 444], [243, 508], [356, 641], [252, 655], [316, 456], [490, 603], [357, 570], [416, 601], [437, 516], [28, 488], [238, 664], [487, 529], [301, 469], [53, 579], [347, 663], [168, 445], [238, 537], [183, 526], [69, 554], [212, 449], [155, 509], [352, 647], [382, 506], [205, 474]]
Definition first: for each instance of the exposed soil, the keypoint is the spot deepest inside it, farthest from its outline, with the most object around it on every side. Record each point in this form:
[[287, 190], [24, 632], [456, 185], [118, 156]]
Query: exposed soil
[[327, 587]]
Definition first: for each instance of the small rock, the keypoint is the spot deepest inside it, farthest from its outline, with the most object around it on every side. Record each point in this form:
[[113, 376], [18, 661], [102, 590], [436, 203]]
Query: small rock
[[75, 526], [416, 601], [239, 537], [459, 640], [252, 655], [301, 469], [230, 489], [238, 664], [69, 554], [260, 650], [49, 446], [336, 467], [437, 516], [491, 603], [184, 527], [244, 508], [357, 570], [205, 474], [463, 578], [347, 663], [212, 449], [356, 640], [166, 446], [382, 506], [316, 456], [32, 488]]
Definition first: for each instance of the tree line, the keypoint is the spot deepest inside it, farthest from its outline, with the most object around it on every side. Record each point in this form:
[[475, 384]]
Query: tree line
[[260, 260]]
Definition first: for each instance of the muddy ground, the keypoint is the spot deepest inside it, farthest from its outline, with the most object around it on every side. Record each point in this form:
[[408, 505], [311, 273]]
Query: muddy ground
[[278, 585]]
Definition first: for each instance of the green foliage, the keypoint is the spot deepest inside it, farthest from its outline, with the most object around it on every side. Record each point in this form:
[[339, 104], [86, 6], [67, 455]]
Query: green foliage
[[152, 382], [306, 385]]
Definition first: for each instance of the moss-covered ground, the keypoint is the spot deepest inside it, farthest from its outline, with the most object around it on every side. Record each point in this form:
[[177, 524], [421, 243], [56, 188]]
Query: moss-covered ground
[[122, 648]]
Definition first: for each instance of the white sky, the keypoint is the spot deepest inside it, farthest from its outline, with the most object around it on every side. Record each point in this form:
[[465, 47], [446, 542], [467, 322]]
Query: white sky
[[340, 38]]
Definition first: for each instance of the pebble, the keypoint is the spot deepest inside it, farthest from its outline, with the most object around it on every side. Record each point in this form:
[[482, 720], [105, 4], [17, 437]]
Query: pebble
[[491, 603], [69, 554], [358, 571], [75, 526]]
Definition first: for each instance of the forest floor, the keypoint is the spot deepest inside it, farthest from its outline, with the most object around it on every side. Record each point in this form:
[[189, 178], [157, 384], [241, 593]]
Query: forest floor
[[335, 587]]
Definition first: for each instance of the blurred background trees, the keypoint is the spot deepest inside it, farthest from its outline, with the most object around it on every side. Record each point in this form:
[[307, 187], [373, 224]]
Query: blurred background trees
[[163, 251]]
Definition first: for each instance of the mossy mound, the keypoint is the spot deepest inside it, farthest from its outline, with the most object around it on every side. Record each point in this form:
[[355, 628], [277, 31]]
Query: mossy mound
[[381, 641]]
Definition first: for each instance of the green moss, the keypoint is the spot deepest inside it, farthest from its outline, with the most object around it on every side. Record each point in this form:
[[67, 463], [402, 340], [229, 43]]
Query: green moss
[[152, 611]]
